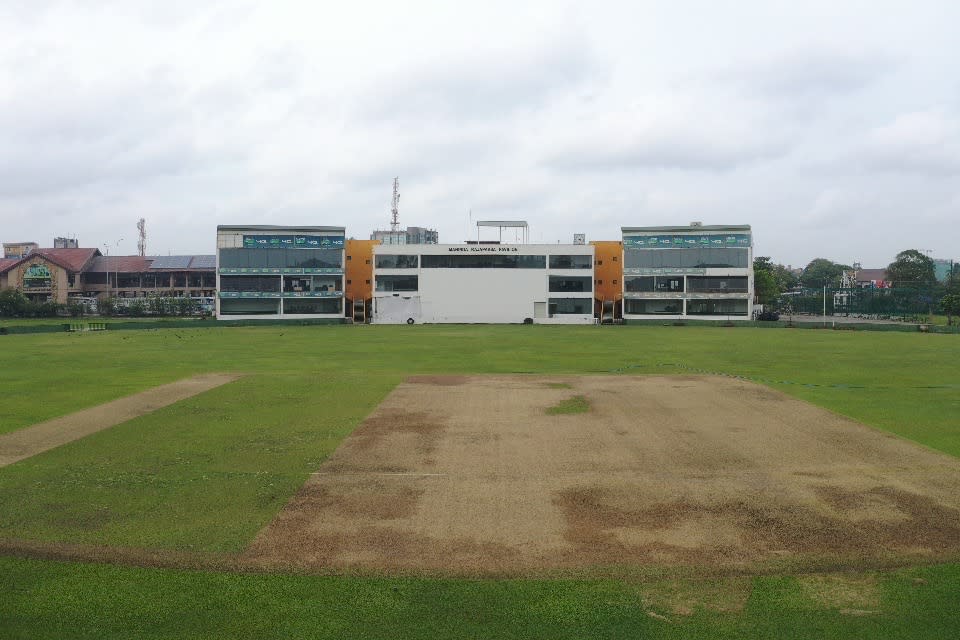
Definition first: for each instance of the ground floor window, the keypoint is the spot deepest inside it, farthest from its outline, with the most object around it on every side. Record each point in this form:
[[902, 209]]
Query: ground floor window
[[243, 307], [323, 305], [717, 307], [649, 307], [575, 306]]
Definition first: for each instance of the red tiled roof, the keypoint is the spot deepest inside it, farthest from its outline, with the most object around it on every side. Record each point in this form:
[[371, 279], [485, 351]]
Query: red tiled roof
[[123, 264], [870, 275], [71, 259]]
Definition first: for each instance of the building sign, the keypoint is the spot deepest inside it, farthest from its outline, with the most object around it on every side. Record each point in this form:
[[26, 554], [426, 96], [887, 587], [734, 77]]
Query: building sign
[[37, 276], [713, 241], [292, 242], [663, 271], [475, 249], [290, 270]]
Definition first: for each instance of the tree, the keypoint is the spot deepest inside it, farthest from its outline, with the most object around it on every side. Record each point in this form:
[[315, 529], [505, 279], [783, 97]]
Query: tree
[[950, 304], [822, 273], [911, 269], [764, 284], [786, 279], [12, 303]]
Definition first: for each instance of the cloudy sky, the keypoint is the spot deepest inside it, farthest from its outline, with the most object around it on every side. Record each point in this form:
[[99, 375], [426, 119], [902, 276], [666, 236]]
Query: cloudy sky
[[833, 128]]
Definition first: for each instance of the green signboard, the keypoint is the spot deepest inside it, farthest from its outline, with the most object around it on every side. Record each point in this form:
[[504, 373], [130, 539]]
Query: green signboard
[[292, 242], [705, 241], [663, 271], [277, 270], [37, 276]]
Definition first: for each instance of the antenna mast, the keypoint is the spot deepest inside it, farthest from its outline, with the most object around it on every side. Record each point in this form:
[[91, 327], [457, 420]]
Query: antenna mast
[[395, 206], [142, 242]]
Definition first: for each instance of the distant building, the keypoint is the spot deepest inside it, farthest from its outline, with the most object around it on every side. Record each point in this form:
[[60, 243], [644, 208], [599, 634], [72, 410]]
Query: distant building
[[60, 274], [285, 272], [942, 268], [698, 271], [19, 250], [65, 243], [422, 235], [410, 235], [871, 279], [389, 237], [483, 283]]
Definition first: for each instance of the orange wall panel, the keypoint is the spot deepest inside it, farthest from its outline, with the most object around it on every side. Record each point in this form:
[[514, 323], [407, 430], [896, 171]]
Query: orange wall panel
[[608, 269], [359, 269]]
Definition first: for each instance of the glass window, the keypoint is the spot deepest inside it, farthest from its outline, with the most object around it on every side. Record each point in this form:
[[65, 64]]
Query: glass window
[[279, 258], [570, 262], [485, 261], [250, 283], [241, 307], [717, 307], [397, 261], [570, 283], [128, 280], [639, 283], [397, 283], [718, 284], [650, 307], [577, 306], [311, 306], [685, 258]]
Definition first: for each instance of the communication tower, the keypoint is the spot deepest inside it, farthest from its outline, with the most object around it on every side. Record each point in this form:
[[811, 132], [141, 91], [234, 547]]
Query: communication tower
[[395, 206], [142, 242]]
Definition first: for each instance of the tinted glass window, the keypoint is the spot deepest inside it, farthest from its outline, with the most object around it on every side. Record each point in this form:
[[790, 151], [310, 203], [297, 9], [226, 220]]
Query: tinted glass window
[[323, 305], [570, 283], [571, 262], [718, 284], [684, 258], [654, 306], [250, 283], [489, 261], [579, 306], [397, 283], [717, 307], [279, 258], [397, 262]]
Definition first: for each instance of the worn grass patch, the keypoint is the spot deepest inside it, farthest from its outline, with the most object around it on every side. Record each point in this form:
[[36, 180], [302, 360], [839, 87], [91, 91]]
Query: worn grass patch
[[559, 385], [576, 404]]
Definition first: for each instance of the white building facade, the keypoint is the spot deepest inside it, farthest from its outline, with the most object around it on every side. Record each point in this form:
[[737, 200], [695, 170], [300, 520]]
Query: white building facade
[[695, 272], [266, 271], [483, 283]]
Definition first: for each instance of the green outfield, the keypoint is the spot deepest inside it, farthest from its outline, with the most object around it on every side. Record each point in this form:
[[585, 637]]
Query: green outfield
[[199, 478]]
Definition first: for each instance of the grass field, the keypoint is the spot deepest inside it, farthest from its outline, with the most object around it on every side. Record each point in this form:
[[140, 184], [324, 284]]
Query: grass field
[[204, 475]]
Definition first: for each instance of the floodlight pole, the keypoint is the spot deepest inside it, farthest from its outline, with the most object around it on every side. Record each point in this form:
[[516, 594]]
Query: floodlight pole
[[824, 305]]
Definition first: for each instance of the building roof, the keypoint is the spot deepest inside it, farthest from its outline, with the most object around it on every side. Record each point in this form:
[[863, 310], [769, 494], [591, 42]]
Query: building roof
[[693, 228], [502, 223], [125, 264], [871, 275], [272, 227], [75, 260], [71, 259], [184, 263], [140, 264]]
